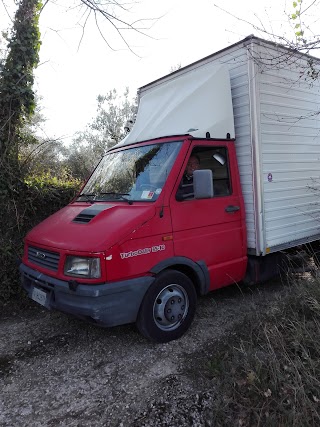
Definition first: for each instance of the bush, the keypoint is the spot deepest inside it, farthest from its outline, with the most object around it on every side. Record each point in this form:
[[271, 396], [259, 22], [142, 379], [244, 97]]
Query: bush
[[34, 200], [270, 374]]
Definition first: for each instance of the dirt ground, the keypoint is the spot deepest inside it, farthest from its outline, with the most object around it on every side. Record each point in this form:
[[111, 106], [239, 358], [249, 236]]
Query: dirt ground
[[56, 370]]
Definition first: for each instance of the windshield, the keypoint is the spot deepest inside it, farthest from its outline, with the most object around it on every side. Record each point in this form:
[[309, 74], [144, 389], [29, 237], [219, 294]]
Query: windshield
[[135, 174]]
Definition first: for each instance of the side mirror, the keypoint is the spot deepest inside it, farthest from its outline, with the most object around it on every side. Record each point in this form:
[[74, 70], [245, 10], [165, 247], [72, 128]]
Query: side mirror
[[203, 184]]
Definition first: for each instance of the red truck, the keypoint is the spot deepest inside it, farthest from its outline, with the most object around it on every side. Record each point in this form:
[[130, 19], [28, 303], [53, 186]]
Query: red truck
[[140, 245]]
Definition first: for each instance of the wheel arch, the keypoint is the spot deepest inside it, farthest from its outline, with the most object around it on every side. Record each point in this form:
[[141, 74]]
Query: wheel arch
[[196, 271]]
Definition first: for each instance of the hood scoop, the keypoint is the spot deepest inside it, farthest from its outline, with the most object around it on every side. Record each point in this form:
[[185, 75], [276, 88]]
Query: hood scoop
[[85, 216]]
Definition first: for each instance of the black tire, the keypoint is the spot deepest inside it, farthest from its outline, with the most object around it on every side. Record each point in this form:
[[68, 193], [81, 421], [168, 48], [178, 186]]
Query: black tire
[[168, 307]]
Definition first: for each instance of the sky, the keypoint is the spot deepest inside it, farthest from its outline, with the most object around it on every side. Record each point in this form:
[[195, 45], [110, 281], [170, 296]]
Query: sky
[[75, 69]]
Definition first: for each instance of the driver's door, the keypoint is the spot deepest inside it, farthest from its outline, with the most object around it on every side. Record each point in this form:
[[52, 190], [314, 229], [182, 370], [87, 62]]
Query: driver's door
[[213, 230]]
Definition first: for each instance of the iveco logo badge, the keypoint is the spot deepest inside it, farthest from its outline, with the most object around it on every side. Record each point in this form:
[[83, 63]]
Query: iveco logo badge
[[40, 255]]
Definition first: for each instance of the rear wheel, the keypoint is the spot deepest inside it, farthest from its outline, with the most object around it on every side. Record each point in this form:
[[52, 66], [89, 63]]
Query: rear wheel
[[168, 307]]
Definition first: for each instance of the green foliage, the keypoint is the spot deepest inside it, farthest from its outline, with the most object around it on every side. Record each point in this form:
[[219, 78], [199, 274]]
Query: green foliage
[[17, 101], [296, 16], [38, 197], [46, 181], [114, 111], [17, 105], [107, 128], [43, 157]]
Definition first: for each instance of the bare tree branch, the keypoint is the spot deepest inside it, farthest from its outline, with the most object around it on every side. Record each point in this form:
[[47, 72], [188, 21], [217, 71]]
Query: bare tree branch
[[84, 27], [102, 33], [303, 46], [7, 12], [44, 4], [310, 5], [119, 25], [107, 11]]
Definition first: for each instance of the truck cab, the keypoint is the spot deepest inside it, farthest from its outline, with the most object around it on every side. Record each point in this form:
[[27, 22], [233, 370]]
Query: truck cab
[[132, 248]]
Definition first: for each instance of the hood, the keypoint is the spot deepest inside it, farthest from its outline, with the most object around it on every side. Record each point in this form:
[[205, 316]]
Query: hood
[[94, 228]]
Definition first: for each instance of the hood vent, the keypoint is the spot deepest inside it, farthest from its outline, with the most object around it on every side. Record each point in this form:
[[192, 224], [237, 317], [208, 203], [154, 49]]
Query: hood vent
[[85, 216]]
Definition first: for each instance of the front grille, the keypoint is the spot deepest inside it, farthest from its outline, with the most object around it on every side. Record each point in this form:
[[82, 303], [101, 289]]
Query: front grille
[[44, 258]]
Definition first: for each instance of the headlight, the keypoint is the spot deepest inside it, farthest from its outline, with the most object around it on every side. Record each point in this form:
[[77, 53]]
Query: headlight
[[82, 267]]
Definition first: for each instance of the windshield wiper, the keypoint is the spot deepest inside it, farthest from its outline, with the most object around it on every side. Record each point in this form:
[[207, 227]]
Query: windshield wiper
[[121, 196], [88, 197]]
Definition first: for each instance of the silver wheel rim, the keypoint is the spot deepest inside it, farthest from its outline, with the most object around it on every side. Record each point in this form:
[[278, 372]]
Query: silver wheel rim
[[170, 307]]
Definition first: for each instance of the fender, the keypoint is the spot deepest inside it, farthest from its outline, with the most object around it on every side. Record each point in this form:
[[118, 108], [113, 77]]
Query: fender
[[199, 269]]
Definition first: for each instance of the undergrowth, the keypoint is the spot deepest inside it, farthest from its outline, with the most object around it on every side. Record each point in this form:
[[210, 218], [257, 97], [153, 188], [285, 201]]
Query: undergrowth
[[22, 209], [270, 374]]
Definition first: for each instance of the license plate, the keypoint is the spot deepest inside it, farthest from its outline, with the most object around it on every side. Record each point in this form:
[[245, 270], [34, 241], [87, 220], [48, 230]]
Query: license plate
[[39, 296]]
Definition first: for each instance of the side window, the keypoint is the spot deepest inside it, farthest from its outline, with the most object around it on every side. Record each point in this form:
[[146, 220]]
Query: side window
[[185, 190], [215, 159], [220, 172]]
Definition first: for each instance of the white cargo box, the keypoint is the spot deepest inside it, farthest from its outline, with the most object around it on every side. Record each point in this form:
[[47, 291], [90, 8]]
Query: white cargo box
[[277, 129]]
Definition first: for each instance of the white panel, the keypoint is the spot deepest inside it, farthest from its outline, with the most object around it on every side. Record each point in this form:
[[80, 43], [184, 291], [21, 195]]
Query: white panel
[[171, 108], [237, 61], [290, 147]]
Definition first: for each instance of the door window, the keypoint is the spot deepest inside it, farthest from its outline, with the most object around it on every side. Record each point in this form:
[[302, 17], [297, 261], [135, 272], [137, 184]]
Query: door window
[[213, 158]]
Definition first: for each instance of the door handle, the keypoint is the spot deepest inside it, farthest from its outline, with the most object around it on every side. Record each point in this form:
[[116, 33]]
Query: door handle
[[231, 209]]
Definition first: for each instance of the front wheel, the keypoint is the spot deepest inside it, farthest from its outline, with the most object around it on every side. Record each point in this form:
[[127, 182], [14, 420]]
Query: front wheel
[[168, 307]]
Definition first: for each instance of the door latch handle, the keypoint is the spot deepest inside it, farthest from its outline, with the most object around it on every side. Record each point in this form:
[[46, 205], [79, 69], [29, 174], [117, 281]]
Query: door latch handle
[[231, 209]]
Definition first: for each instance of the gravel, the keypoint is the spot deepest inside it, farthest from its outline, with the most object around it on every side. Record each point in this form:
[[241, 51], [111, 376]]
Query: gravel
[[56, 370]]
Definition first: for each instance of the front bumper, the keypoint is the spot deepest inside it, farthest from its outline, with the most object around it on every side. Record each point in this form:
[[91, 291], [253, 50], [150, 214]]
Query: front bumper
[[106, 304]]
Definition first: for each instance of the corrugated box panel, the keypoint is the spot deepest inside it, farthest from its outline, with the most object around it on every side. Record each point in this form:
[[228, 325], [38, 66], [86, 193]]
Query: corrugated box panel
[[290, 151], [237, 63]]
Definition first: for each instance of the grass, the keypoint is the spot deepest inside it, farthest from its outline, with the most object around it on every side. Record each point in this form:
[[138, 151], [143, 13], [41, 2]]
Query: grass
[[269, 375]]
